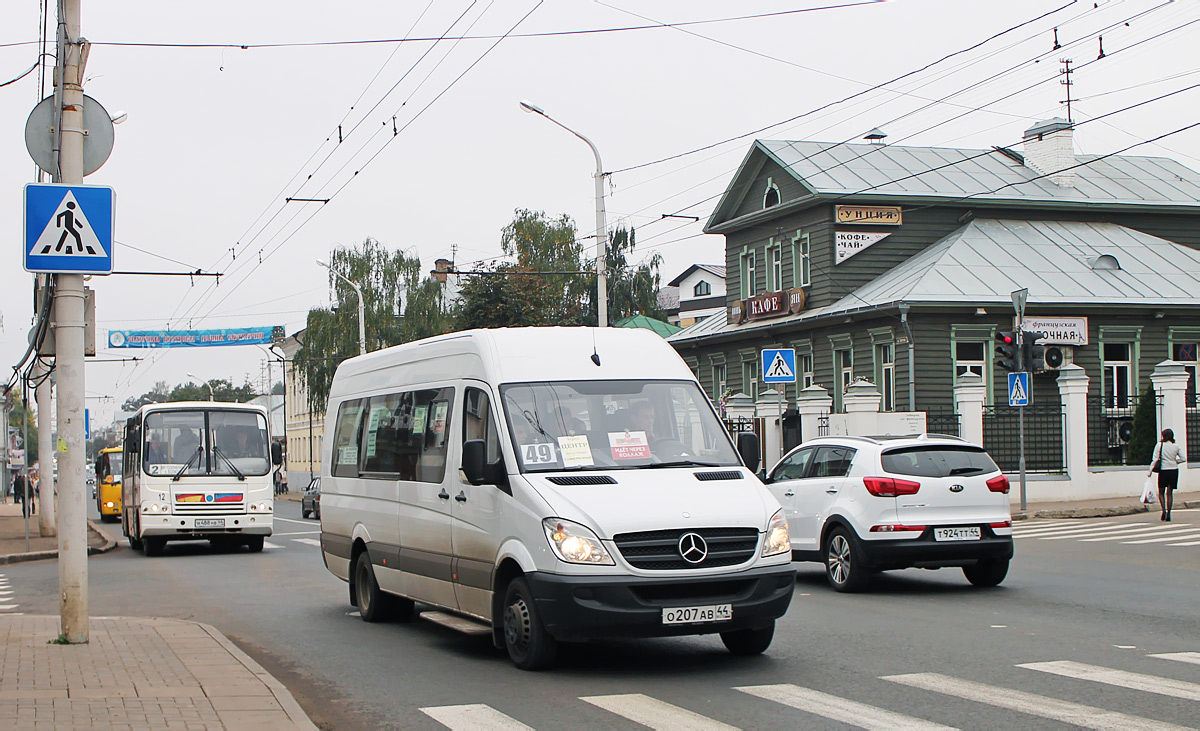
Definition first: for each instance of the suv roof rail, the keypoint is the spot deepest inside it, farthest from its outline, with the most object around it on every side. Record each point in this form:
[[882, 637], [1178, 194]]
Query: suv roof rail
[[955, 437]]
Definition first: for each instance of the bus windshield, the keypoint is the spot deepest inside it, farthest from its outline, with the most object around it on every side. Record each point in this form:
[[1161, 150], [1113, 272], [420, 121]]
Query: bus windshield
[[614, 425], [205, 442]]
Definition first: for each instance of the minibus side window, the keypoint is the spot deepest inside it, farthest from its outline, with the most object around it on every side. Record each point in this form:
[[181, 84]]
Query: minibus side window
[[479, 423], [346, 439], [430, 432], [385, 425]]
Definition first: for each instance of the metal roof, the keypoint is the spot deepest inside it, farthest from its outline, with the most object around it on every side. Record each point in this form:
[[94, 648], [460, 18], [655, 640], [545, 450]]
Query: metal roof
[[713, 269]]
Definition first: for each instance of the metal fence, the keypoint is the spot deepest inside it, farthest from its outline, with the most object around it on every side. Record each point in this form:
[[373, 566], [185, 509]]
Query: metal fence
[[1193, 441], [1044, 437], [1110, 427], [943, 422]]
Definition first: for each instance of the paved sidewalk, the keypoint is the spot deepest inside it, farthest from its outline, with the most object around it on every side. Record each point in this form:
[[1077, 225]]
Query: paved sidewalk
[[1100, 508], [136, 674], [13, 547]]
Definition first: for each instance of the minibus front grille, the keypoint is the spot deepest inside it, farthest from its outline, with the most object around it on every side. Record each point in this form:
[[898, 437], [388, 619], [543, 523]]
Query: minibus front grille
[[659, 550], [208, 508], [724, 475], [583, 480]]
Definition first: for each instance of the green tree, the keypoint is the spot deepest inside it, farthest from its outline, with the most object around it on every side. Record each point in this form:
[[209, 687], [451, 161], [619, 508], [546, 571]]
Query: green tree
[[1145, 430], [157, 395], [399, 305], [16, 419], [222, 390], [632, 288]]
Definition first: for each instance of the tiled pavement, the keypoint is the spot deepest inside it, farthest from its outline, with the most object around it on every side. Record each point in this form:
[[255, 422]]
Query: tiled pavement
[[136, 673]]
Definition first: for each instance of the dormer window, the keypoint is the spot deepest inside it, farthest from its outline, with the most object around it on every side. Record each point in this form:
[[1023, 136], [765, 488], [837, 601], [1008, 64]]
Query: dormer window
[[771, 196], [702, 289]]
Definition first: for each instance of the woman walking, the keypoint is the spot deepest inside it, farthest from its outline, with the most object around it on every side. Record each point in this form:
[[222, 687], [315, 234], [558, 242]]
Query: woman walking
[[1167, 457]]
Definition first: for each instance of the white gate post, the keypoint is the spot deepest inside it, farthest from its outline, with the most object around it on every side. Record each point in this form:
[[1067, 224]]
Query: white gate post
[[1072, 390], [862, 408], [767, 409], [1170, 379], [811, 404], [970, 393]]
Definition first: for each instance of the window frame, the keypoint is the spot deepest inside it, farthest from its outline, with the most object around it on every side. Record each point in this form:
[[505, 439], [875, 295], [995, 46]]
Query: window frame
[[774, 265], [702, 289], [749, 272], [801, 260]]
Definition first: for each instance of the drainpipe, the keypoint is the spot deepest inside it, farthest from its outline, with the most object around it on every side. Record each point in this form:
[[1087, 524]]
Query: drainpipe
[[912, 384]]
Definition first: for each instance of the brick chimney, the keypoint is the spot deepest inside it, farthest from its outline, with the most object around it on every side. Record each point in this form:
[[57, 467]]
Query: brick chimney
[[1049, 149], [440, 267]]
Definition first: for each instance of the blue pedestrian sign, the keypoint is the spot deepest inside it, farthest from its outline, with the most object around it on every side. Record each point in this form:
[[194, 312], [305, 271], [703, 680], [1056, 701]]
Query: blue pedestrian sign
[[1018, 389], [68, 229], [779, 365]]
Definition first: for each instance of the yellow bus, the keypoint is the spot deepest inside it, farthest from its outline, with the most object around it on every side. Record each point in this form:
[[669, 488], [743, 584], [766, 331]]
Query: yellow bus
[[108, 484]]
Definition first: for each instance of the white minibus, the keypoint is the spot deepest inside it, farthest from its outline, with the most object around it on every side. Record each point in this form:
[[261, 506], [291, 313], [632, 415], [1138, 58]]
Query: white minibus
[[545, 485]]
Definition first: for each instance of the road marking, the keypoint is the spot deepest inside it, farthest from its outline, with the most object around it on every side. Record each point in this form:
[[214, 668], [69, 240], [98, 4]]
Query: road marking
[[1126, 533], [300, 533], [308, 541], [268, 544], [1120, 678], [836, 708], [1061, 529], [1099, 531], [7, 607], [474, 716], [1032, 704], [1190, 543], [654, 713], [1186, 533], [292, 520], [1191, 657]]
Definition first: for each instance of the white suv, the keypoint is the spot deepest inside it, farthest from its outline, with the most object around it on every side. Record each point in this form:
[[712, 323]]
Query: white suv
[[862, 505]]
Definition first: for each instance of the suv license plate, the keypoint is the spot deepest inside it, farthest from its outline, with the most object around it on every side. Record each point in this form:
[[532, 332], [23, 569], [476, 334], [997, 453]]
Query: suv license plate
[[210, 522], [957, 534], [695, 615]]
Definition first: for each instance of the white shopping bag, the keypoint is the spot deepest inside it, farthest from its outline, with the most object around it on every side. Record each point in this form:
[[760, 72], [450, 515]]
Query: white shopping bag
[[1149, 491]]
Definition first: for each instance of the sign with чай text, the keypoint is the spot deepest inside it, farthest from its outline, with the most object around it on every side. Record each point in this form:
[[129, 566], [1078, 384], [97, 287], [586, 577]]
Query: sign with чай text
[[887, 215], [848, 243]]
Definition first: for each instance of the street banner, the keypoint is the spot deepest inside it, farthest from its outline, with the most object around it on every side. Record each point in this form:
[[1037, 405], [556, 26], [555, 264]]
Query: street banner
[[190, 338]]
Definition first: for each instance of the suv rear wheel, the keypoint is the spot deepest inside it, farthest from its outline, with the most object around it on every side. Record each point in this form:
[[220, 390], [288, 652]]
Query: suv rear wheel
[[988, 572], [842, 562]]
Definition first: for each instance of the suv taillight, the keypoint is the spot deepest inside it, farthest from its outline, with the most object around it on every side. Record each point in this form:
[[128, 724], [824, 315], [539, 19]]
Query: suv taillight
[[999, 483], [890, 486]]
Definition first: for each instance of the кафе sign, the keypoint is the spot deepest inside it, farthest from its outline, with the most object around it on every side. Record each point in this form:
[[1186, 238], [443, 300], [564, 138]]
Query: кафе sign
[[771, 304]]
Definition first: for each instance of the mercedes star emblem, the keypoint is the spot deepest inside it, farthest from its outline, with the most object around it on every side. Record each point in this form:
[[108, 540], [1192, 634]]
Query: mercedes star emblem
[[692, 547]]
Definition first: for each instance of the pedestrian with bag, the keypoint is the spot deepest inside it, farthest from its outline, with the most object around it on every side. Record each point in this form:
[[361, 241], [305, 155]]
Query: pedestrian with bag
[[1166, 461]]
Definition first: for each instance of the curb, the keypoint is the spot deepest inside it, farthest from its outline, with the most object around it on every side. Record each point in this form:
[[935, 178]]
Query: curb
[[282, 695], [1099, 512], [109, 544]]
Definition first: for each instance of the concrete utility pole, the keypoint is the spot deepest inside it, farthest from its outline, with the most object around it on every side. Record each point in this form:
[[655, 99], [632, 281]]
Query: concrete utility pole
[[68, 341], [46, 524]]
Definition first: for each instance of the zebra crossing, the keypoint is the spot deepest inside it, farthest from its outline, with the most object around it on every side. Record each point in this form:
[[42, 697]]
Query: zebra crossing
[[7, 605], [1176, 533], [797, 702]]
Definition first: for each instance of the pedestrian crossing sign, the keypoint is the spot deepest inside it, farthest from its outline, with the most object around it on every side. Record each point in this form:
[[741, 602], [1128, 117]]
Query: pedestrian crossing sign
[[1018, 389], [68, 229], [779, 365]]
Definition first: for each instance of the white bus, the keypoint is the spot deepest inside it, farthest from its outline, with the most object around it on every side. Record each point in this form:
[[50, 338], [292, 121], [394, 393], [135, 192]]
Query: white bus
[[197, 471]]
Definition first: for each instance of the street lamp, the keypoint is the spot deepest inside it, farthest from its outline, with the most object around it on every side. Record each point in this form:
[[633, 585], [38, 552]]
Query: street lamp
[[362, 327], [601, 226], [206, 383]]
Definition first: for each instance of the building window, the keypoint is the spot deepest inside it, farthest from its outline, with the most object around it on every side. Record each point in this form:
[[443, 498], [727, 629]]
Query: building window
[[1186, 353], [885, 374], [969, 359], [1116, 365], [750, 379], [801, 271], [749, 272], [718, 379], [843, 360], [702, 289], [804, 364], [771, 194], [775, 267]]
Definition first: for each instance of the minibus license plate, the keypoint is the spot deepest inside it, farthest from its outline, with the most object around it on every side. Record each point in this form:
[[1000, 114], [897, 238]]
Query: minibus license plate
[[971, 533], [693, 615], [210, 522]]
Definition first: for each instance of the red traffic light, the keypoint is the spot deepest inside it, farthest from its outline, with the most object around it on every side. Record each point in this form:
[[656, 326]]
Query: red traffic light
[[1006, 338]]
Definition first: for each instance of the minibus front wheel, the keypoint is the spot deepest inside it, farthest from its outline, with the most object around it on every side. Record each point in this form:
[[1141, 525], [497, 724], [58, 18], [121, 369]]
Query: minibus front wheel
[[529, 645]]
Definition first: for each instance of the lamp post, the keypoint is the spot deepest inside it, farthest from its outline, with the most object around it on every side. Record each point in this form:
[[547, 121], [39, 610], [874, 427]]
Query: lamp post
[[362, 321], [601, 226], [206, 383]]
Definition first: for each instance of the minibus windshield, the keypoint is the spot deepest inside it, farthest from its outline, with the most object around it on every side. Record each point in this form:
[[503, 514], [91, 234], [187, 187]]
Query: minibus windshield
[[565, 425], [205, 442]]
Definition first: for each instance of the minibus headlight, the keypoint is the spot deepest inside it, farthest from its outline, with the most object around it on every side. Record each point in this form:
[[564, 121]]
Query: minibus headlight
[[574, 543], [260, 508], [777, 540]]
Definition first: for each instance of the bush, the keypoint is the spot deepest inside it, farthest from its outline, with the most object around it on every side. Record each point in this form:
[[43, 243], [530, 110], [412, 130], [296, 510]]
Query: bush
[[1145, 430]]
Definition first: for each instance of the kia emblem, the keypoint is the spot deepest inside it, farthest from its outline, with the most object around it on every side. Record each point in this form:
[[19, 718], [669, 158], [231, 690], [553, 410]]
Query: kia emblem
[[692, 547], [956, 488]]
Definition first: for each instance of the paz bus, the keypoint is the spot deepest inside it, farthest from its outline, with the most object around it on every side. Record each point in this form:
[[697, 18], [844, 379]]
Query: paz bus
[[108, 484], [197, 470]]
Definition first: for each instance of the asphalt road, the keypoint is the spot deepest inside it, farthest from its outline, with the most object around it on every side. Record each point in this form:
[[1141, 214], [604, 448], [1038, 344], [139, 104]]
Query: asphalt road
[[1087, 606]]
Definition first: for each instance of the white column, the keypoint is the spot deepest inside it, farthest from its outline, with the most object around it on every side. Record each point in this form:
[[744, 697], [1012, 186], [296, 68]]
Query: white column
[[1170, 379], [862, 408], [740, 406], [767, 409], [970, 394], [812, 403], [1073, 389]]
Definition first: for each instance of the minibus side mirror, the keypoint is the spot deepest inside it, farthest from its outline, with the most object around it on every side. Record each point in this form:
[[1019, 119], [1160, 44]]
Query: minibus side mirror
[[276, 453], [476, 468], [747, 447]]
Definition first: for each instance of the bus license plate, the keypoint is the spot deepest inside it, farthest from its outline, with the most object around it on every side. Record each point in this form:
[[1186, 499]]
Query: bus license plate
[[210, 522], [957, 534], [695, 615]]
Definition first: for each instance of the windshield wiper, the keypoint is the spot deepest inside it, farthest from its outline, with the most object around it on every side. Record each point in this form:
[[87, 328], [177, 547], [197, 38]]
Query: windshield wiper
[[187, 464], [681, 463], [965, 471], [217, 451]]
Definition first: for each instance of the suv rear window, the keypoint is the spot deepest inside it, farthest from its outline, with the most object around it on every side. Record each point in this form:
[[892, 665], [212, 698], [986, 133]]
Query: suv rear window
[[942, 460]]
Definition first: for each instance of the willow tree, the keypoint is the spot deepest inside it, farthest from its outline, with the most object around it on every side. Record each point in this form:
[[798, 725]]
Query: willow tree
[[632, 288], [399, 305]]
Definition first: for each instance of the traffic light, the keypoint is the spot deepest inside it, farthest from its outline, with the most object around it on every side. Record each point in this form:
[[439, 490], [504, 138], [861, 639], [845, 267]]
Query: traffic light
[[1006, 349], [1031, 353]]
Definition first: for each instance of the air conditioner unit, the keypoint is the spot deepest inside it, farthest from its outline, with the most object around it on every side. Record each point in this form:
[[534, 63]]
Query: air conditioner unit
[[1055, 357], [1120, 431]]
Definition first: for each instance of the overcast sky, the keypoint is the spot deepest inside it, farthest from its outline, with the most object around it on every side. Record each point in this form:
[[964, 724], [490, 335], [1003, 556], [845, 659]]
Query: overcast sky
[[216, 138]]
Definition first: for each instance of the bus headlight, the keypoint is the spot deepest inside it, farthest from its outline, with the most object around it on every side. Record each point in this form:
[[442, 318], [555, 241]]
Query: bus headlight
[[574, 543], [777, 540], [260, 507], [154, 508]]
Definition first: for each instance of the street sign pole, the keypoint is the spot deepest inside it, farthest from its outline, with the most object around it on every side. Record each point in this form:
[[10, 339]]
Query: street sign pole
[[779, 367], [1019, 298]]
